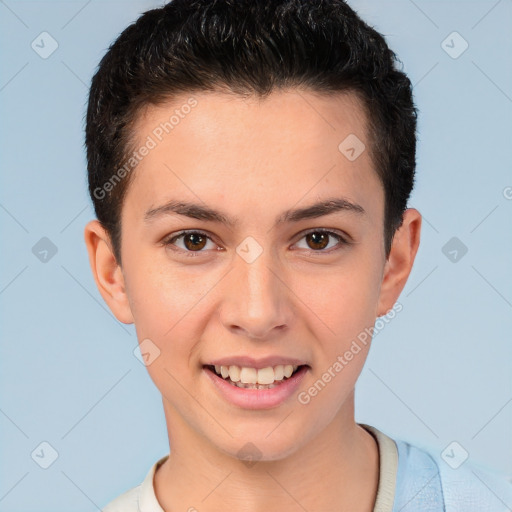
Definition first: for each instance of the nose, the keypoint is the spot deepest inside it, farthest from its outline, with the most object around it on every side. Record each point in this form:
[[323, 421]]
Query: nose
[[256, 299]]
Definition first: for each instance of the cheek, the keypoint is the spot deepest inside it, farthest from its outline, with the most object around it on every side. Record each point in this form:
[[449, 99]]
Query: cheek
[[342, 300], [162, 296], [348, 304], [169, 308]]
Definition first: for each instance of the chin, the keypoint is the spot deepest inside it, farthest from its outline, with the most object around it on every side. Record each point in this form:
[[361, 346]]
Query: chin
[[258, 444]]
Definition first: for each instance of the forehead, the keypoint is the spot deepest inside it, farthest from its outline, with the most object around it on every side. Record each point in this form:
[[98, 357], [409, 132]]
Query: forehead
[[282, 148], [211, 115]]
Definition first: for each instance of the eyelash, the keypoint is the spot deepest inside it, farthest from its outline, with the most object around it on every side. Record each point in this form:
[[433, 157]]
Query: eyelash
[[168, 242]]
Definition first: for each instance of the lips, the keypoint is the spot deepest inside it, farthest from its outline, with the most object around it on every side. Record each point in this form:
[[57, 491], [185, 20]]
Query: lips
[[256, 396]]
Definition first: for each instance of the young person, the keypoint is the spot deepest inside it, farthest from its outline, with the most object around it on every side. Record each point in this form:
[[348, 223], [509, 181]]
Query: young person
[[250, 164]]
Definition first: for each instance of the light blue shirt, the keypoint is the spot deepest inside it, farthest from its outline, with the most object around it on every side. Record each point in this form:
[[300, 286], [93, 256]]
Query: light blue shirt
[[426, 482]]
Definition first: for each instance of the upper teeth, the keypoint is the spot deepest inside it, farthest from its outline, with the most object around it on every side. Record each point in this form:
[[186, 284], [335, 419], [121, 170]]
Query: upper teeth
[[253, 376]]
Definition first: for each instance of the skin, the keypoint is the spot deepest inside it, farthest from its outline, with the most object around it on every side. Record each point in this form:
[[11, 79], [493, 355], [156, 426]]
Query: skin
[[254, 159]]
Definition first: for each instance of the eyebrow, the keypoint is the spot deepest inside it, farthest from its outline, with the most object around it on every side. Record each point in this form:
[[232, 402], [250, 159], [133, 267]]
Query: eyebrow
[[202, 212]]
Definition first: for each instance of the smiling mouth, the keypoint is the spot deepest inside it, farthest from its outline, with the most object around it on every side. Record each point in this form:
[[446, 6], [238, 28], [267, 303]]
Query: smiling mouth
[[252, 378]]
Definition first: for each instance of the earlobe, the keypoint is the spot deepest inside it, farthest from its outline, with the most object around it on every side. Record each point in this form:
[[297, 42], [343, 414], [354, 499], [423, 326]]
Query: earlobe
[[106, 271], [400, 261]]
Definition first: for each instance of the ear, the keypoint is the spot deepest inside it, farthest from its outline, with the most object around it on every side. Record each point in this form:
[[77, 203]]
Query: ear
[[106, 271], [401, 258]]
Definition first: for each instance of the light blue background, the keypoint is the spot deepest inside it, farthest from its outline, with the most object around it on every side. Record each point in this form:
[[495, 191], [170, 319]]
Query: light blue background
[[439, 372]]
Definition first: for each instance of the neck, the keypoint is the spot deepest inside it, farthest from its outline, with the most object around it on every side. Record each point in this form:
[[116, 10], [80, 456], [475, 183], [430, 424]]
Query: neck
[[337, 470]]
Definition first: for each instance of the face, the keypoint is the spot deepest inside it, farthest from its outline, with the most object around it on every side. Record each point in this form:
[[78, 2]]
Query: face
[[251, 241]]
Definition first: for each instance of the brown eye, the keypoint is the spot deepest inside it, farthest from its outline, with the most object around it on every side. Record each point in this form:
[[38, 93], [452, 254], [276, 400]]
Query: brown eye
[[317, 240], [194, 241], [191, 243], [322, 241]]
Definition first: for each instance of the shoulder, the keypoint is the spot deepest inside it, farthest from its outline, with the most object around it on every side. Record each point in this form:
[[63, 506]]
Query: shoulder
[[126, 502], [139, 498], [474, 487], [425, 481]]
